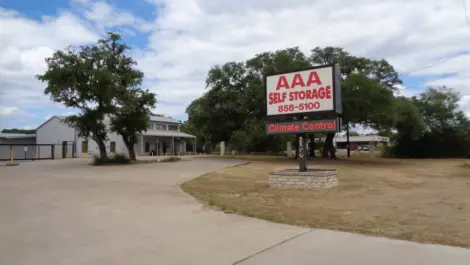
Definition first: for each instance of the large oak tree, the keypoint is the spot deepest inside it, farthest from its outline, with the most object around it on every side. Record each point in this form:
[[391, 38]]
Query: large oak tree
[[101, 81]]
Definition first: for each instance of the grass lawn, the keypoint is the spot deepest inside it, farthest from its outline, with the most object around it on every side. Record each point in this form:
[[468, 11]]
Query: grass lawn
[[419, 200]]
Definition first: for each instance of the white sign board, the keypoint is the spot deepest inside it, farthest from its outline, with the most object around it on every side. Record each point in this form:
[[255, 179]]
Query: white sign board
[[26, 149], [314, 90]]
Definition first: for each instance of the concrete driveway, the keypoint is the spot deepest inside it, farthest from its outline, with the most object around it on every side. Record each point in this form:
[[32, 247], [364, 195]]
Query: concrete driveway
[[66, 212]]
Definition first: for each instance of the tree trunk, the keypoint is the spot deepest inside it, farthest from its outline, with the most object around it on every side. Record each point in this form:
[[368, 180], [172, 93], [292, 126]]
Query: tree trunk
[[328, 148], [101, 147], [130, 148], [312, 145], [348, 143]]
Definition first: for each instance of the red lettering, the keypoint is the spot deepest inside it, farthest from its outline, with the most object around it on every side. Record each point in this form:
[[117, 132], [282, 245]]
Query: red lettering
[[313, 78], [282, 82], [296, 95], [272, 127], [321, 92], [305, 126], [328, 92], [276, 98], [308, 94], [291, 96], [302, 94], [314, 94], [296, 127], [298, 81]]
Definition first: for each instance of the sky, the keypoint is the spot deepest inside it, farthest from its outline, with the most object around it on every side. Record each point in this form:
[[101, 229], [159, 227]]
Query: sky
[[176, 42]]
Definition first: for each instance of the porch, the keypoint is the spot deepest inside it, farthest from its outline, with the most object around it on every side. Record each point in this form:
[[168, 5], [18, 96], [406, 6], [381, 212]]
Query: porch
[[163, 142]]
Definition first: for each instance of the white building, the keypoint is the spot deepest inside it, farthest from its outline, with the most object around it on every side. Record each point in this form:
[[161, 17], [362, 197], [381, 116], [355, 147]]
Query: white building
[[362, 140], [163, 137]]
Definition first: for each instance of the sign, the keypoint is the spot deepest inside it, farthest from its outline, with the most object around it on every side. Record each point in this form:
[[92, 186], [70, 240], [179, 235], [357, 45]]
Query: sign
[[303, 126], [203, 148], [315, 90], [26, 149]]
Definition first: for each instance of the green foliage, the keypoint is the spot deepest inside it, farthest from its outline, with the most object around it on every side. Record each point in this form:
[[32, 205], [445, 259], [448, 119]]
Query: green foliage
[[431, 125], [19, 131], [101, 81], [117, 159], [233, 109], [132, 116], [217, 148]]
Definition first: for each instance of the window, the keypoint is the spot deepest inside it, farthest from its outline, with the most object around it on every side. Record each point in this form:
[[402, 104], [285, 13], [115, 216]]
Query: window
[[84, 146], [112, 147], [150, 126], [160, 126], [147, 147]]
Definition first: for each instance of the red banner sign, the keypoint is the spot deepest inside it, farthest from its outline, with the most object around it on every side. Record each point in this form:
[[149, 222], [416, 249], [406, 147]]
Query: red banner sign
[[306, 126]]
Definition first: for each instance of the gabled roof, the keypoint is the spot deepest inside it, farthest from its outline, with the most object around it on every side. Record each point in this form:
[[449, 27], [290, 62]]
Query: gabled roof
[[51, 118], [163, 119], [168, 133]]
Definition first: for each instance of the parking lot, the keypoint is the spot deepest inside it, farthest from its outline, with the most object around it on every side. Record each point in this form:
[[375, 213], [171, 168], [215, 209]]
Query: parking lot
[[67, 212]]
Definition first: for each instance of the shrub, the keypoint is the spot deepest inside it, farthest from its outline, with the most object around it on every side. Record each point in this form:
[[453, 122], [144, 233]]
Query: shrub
[[117, 159], [387, 152], [170, 159], [217, 148]]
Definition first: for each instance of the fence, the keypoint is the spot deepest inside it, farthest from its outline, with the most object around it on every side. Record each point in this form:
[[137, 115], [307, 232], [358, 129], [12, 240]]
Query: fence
[[26, 151]]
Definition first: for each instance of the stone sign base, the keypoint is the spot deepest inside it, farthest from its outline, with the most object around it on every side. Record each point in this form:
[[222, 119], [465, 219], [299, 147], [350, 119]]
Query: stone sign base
[[312, 179]]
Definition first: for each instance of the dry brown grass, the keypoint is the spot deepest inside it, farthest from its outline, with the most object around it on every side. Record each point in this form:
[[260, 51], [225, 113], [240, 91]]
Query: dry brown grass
[[418, 200]]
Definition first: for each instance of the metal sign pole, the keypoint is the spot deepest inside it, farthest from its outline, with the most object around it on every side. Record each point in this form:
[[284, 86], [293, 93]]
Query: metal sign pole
[[302, 148]]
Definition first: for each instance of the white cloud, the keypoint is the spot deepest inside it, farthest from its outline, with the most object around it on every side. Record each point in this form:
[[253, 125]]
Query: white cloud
[[190, 36], [105, 16], [9, 111], [66, 113], [24, 44]]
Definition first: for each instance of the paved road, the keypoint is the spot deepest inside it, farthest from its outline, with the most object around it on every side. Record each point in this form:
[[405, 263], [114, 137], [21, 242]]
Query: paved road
[[66, 212]]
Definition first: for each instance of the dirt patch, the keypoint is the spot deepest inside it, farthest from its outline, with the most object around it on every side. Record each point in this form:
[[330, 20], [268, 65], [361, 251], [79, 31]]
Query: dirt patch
[[418, 200]]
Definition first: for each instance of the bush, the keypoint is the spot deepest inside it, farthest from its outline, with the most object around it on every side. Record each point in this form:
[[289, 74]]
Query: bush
[[387, 151], [217, 148], [171, 159], [117, 159]]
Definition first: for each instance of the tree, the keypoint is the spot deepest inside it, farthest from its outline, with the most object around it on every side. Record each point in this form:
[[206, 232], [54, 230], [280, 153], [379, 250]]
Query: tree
[[431, 125], [132, 116], [99, 80], [133, 105], [233, 108], [367, 90], [20, 131]]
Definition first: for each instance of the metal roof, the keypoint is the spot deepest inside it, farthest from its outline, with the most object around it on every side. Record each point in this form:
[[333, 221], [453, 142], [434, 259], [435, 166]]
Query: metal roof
[[16, 135], [168, 133], [163, 119]]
